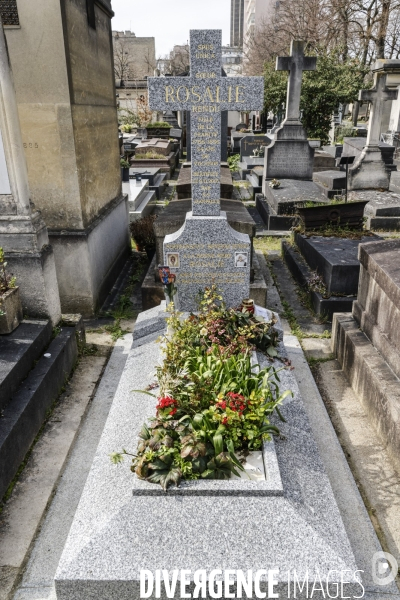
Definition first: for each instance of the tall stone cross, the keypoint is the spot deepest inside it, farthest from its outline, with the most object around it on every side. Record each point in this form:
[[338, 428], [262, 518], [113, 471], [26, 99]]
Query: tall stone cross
[[376, 96], [205, 94], [296, 63], [207, 250]]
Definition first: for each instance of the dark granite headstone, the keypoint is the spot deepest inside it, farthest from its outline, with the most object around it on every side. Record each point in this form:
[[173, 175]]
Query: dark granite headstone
[[251, 142]]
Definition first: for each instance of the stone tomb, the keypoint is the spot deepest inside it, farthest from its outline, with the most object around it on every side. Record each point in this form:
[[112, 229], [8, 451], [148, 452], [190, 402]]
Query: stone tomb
[[171, 219], [155, 176], [116, 534], [335, 260], [367, 341], [157, 145], [382, 211], [290, 155], [247, 160], [206, 249], [369, 171]]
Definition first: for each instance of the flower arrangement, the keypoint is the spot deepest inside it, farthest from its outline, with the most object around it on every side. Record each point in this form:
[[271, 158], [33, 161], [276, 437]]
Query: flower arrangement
[[214, 405], [168, 279], [274, 183]]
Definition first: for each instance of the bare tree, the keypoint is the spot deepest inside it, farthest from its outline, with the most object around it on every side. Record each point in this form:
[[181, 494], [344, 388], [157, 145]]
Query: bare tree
[[123, 66]]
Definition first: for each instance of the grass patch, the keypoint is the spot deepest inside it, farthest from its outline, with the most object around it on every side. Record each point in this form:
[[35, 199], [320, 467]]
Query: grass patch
[[268, 244]]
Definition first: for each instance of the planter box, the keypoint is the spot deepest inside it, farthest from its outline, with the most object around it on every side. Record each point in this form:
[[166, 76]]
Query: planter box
[[349, 214], [10, 304], [158, 132]]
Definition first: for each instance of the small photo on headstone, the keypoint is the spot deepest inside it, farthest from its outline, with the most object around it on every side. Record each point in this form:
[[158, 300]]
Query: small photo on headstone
[[173, 260], [241, 259]]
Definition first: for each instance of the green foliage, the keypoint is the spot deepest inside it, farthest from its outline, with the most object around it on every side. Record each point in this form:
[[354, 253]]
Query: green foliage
[[233, 162], [150, 155], [124, 163], [335, 81], [213, 401], [345, 130]]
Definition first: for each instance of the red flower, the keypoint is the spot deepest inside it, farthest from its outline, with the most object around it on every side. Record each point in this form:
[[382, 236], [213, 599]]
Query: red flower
[[225, 421], [166, 403]]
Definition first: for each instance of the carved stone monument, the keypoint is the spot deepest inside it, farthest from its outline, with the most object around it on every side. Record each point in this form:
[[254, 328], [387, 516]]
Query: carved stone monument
[[369, 170], [23, 234], [206, 250], [290, 155]]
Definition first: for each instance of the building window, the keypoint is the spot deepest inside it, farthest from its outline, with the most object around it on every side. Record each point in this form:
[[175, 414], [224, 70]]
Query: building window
[[9, 12]]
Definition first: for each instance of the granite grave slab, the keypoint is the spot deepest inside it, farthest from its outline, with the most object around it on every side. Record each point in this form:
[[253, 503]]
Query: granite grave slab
[[283, 200], [324, 305], [335, 259], [112, 537]]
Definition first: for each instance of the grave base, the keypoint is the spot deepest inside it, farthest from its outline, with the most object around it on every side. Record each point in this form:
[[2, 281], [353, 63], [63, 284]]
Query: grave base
[[369, 171], [382, 210], [301, 273], [371, 378], [116, 535], [284, 199], [153, 290]]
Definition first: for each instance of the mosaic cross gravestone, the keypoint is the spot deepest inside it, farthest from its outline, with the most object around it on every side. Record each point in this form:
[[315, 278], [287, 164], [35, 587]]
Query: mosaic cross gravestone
[[290, 156], [369, 170], [206, 250]]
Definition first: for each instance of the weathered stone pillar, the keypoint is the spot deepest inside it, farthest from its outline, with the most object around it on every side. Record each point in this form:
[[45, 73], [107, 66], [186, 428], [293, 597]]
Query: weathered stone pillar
[[23, 234]]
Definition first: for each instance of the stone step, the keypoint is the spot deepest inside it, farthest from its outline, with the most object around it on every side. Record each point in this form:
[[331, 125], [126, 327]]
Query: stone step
[[24, 415], [18, 352], [145, 208], [159, 181], [273, 221], [383, 223], [254, 182], [331, 180]]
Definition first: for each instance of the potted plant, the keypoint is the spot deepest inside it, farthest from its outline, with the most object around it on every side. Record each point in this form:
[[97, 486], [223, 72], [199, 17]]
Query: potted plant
[[124, 169], [159, 129], [10, 301], [142, 232]]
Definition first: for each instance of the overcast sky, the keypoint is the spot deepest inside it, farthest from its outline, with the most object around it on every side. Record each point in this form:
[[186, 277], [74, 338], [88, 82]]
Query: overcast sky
[[169, 21]]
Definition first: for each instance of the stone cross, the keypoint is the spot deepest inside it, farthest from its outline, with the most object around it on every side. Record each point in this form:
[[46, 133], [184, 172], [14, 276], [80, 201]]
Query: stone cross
[[296, 63], [376, 96], [205, 94]]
